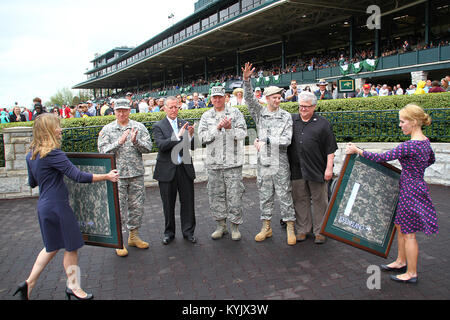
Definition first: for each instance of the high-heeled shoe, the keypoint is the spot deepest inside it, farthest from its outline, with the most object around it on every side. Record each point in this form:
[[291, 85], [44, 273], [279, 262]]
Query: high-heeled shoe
[[70, 293], [23, 289]]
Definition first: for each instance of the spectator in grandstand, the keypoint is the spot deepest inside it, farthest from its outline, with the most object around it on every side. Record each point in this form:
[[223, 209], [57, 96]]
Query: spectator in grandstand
[[55, 111], [307, 88], [406, 46], [384, 91], [83, 110], [373, 90], [4, 117], [91, 108], [399, 90], [38, 110], [180, 103], [445, 85], [435, 87], [291, 95], [420, 87], [259, 96], [411, 89], [160, 105], [227, 100], [196, 103], [427, 86], [322, 93], [103, 108], [27, 113], [110, 110], [365, 91], [16, 115], [143, 106], [238, 97], [71, 113]]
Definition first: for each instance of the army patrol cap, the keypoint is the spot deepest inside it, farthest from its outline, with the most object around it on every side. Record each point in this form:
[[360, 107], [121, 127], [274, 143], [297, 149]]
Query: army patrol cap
[[121, 104], [217, 91], [272, 90]]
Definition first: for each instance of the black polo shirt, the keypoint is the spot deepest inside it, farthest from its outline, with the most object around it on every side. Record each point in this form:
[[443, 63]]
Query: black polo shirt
[[312, 142]]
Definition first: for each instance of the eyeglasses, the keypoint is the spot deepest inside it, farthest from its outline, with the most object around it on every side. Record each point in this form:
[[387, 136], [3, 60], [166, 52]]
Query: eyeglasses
[[303, 106]]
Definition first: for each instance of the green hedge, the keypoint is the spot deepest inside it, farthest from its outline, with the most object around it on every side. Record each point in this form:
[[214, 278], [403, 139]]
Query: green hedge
[[435, 100]]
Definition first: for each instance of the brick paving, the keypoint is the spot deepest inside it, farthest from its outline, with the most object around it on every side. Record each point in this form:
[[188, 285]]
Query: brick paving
[[222, 269]]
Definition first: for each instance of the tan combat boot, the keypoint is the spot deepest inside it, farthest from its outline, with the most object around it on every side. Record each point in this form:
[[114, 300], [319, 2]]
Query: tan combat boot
[[235, 234], [122, 252], [266, 231], [221, 229], [291, 239], [135, 241]]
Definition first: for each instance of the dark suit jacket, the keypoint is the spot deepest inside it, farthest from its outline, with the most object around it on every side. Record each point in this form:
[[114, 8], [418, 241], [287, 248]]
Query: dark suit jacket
[[165, 168]]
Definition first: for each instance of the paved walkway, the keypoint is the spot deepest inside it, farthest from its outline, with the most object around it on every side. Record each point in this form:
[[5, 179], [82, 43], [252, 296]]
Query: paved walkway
[[222, 269]]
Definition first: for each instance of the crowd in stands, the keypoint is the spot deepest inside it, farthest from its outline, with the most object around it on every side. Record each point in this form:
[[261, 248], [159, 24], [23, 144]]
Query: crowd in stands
[[300, 63], [196, 100]]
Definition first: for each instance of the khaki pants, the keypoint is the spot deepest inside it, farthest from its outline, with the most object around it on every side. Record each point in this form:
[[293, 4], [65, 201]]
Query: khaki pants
[[310, 203]]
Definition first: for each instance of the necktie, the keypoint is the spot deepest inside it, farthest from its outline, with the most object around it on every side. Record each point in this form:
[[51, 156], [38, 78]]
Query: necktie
[[175, 130]]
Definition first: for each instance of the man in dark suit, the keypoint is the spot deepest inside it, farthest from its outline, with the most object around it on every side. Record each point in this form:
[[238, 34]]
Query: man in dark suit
[[174, 171]]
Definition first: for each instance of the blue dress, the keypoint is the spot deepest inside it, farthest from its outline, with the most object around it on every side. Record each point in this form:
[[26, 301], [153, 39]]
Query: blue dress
[[415, 210], [59, 226]]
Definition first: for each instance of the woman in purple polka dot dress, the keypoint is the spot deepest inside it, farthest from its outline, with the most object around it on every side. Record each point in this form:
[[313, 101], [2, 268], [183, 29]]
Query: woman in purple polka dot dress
[[415, 211]]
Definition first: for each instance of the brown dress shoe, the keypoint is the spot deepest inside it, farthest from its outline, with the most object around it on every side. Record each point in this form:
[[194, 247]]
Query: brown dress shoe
[[319, 239], [301, 237]]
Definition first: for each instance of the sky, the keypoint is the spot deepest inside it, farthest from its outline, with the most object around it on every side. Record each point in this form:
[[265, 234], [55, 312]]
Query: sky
[[47, 45]]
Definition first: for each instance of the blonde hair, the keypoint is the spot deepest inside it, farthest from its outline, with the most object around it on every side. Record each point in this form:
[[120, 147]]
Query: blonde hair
[[44, 135], [414, 112]]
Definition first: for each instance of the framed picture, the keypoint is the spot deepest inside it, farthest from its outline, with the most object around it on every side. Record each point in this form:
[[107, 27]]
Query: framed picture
[[346, 84], [362, 206], [96, 205]]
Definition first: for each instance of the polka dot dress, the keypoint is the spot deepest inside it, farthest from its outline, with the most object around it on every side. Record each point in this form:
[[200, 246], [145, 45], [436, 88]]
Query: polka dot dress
[[415, 211]]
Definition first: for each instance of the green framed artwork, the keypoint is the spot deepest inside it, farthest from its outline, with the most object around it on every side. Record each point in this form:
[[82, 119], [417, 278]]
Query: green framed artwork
[[96, 205], [362, 206], [346, 84]]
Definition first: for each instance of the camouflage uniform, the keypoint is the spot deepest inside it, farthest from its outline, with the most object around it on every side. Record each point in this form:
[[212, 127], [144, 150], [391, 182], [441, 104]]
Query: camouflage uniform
[[273, 173], [224, 160], [130, 166]]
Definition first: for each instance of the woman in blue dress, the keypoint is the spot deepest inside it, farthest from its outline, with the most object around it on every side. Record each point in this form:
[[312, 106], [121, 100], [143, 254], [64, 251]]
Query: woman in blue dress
[[47, 166], [415, 211]]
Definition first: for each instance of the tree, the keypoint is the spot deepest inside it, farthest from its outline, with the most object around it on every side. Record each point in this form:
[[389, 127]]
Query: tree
[[63, 96]]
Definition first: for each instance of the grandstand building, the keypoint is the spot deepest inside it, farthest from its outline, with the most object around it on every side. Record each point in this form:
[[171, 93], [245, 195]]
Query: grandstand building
[[285, 40]]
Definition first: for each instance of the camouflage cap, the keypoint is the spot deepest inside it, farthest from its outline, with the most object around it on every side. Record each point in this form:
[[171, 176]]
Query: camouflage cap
[[217, 91], [121, 104]]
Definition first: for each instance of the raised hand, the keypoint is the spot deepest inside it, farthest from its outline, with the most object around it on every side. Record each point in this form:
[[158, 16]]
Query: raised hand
[[247, 71]]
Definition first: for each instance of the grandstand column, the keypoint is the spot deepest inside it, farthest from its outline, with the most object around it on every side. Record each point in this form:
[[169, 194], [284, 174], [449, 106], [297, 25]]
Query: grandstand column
[[283, 52], [427, 22], [182, 74], [206, 68], [377, 43], [352, 23], [150, 84], [238, 62]]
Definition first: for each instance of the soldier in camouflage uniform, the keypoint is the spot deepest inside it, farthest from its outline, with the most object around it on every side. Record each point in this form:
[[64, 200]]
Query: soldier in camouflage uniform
[[128, 139], [274, 126], [223, 130]]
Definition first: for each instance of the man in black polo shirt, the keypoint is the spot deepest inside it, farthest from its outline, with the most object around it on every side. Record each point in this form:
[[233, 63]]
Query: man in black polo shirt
[[311, 156]]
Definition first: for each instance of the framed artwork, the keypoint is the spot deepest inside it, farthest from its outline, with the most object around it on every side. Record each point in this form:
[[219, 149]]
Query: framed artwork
[[346, 84], [362, 206], [96, 205]]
